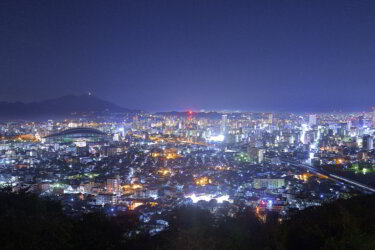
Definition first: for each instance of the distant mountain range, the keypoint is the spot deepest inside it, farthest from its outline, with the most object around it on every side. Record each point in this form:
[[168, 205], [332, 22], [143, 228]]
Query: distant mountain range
[[207, 115], [65, 105]]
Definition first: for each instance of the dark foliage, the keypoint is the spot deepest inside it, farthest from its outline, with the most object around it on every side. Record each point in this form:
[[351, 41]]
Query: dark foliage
[[28, 222]]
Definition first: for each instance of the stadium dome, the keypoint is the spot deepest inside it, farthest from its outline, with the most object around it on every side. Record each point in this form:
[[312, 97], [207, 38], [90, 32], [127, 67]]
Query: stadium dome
[[78, 134]]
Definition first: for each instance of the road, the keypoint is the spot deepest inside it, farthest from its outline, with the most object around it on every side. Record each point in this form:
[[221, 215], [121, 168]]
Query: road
[[332, 176]]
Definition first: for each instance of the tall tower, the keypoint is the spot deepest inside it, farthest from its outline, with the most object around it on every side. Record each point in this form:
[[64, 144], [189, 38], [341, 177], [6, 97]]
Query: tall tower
[[312, 120], [135, 123], [224, 121], [270, 118], [368, 142], [361, 120]]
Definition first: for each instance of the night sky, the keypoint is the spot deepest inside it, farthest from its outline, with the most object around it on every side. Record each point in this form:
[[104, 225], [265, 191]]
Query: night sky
[[306, 55]]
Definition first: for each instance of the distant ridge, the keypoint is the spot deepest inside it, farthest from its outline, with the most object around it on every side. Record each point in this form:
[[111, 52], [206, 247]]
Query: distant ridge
[[209, 115], [65, 105]]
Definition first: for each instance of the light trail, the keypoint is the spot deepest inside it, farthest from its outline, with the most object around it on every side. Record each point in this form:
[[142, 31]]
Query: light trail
[[332, 176], [353, 182]]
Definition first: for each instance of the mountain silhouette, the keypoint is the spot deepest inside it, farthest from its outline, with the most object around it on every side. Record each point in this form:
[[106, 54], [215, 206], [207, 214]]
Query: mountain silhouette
[[65, 105]]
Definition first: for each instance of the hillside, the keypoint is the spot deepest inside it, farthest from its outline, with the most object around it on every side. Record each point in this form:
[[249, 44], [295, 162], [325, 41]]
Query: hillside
[[64, 105], [28, 222]]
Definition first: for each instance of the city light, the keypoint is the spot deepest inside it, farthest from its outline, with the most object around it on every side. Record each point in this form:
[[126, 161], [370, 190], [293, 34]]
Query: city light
[[217, 138], [187, 124], [208, 197]]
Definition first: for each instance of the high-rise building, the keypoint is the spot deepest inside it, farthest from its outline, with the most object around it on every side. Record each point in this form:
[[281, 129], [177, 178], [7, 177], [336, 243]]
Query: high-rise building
[[349, 125], [256, 154], [361, 120], [116, 137], [113, 185], [312, 120], [270, 118], [102, 199], [261, 155], [136, 122], [373, 117], [368, 142], [224, 121]]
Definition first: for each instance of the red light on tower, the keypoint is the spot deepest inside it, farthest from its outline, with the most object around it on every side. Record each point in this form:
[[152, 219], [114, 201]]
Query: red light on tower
[[190, 115]]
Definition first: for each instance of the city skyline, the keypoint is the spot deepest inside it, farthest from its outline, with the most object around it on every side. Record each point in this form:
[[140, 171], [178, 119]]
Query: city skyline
[[119, 108]]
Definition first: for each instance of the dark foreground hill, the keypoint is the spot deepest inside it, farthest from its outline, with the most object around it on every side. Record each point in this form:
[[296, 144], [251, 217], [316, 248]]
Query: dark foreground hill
[[28, 222], [64, 105]]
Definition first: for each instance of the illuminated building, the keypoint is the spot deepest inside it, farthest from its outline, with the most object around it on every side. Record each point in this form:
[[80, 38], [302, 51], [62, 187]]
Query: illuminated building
[[134, 205], [234, 136], [203, 181], [156, 152], [171, 153], [256, 154], [224, 121], [303, 133], [312, 120], [131, 189], [113, 185], [164, 172], [114, 150], [304, 177], [361, 120], [102, 199], [270, 118], [136, 123], [217, 138], [116, 137], [368, 142], [268, 183], [207, 197]]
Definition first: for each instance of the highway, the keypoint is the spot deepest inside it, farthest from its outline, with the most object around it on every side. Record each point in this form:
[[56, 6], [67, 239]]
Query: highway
[[332, 176]]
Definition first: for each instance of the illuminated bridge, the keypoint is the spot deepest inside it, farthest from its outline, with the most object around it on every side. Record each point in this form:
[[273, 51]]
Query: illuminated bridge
[[78, 134]]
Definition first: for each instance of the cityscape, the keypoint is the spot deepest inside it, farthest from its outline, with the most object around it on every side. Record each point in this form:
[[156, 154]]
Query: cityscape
[[224, 162], [187, 124]]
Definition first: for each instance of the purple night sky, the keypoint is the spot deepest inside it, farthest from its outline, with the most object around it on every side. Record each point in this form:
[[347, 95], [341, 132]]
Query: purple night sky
[[281, 55]]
